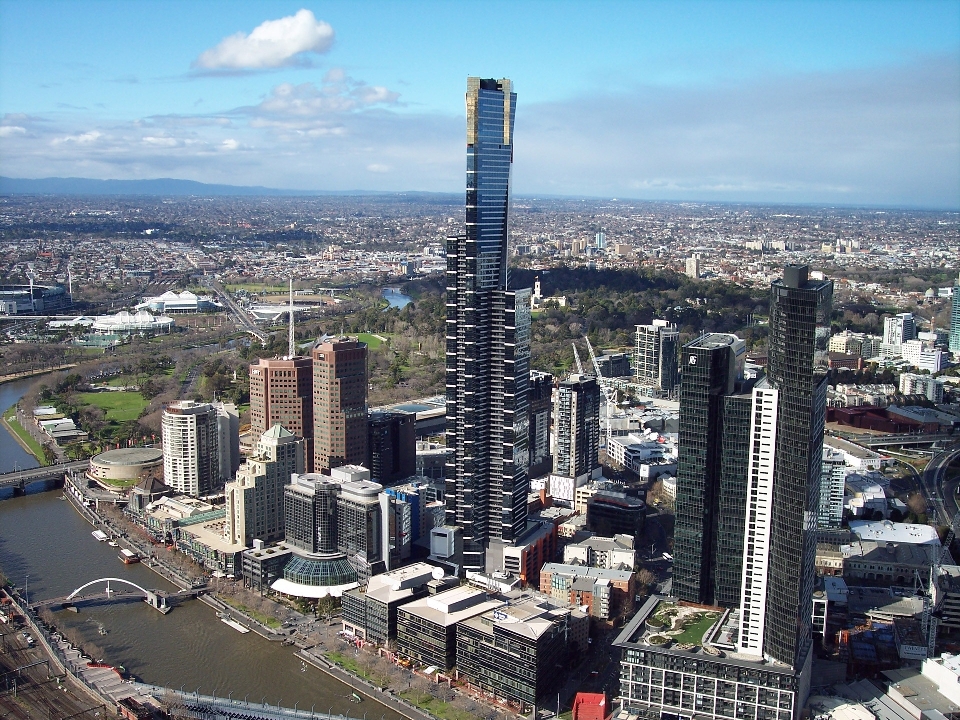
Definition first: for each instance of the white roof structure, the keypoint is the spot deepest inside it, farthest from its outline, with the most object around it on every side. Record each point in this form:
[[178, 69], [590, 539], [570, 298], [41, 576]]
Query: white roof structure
[[288, 587], [887, 531], [127, 322]]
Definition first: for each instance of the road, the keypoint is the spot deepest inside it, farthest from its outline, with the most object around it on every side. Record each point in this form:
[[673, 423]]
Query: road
[[242, 318], [941, 493]]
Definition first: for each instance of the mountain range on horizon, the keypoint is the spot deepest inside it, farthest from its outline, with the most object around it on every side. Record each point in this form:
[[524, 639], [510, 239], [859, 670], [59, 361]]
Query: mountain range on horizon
[[167, 186]]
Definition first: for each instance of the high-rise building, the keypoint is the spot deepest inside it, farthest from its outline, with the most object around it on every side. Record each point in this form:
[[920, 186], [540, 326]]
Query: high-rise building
[[254, 501], [785, 465], [655, 357], [955, 317], [712, 453], [577, 422], [339, 404], [896, 331], [541, 403], [832, 481], [281, 391], [488, 342], [192, 462], [391, 446]]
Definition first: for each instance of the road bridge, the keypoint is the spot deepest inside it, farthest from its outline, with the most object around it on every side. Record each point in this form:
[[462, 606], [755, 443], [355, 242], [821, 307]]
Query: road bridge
[[903, 440], [19, 479]]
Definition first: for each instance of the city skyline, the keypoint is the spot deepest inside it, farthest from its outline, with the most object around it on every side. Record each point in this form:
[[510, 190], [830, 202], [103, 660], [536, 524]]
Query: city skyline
[[736, 101]]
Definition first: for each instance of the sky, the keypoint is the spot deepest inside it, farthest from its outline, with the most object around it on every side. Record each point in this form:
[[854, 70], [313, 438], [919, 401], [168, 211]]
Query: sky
[[830, 102]]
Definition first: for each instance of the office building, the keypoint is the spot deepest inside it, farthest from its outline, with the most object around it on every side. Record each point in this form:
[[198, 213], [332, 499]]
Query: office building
[[784, 475], [541, 404], [767, 641], [616, 510], [488, 342], [577, 421], [281, 391], [656, 355], [391, 446], [362, 528], [254, 501], [192, 461], [371, 613], [339, 404], [712, 452]]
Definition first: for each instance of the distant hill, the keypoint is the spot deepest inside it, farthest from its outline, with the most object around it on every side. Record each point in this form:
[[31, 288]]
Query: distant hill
[[158, 186]]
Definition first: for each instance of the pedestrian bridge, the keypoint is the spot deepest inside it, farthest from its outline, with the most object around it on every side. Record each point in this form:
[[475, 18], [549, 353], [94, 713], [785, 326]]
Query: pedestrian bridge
[[156, 599], [207, 707]]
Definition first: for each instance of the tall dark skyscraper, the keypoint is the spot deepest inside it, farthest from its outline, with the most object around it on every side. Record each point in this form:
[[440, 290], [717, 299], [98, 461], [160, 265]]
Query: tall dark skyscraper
[[714, 440], [784, 474], [488, 341]]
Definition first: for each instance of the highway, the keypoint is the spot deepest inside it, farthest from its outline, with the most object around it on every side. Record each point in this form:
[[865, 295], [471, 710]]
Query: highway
[[940, 492], [242, 318]]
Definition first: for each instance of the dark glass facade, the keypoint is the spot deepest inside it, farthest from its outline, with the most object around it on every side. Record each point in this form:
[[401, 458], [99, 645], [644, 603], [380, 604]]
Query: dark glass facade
[[392, 446], [541, 405], [488, 342], [798, 306], [713, 447]]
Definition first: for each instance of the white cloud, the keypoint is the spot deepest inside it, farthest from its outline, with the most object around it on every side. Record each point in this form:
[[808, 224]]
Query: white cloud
[[86, 138], [229, 144], [273, 43], [378, 168], [160, 141], [11, 130]]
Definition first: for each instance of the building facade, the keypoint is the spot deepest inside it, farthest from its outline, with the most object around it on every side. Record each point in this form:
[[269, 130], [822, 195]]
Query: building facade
[[577, 422], [488, 342], [339, 404], [391, 446], [281, 391], [541, 405], [191, 448], [711, 471], [655, 357]]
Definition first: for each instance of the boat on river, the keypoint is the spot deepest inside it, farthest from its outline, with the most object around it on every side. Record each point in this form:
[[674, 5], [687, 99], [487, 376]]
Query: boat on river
[[128, 556], [100, 535]]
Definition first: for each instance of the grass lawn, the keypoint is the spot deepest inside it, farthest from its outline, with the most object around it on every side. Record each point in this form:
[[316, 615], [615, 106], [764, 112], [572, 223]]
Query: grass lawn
[[435, 706], [349, 663], [372, 341], [35, 448], [694, 633], [268, 620], [118, 406]]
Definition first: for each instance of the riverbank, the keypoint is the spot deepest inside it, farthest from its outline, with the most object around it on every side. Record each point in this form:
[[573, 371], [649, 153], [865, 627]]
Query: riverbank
[[22, 437], [33, 373]]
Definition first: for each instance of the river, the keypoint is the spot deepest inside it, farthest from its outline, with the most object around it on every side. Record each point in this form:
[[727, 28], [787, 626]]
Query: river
[[46, 546], [395, 298]]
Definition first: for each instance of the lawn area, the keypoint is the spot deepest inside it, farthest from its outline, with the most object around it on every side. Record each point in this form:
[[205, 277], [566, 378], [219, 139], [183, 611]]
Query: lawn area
[[349, 663], [268, 620], [118, 406], [14, 425], [372, 341], [435, 706], [694, 633]]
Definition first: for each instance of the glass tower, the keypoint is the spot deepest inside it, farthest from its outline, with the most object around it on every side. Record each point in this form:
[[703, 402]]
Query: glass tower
[[711, 471], [488, 342]]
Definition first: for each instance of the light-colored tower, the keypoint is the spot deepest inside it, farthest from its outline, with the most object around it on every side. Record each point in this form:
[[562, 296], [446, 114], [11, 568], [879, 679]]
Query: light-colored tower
[[191, 448]]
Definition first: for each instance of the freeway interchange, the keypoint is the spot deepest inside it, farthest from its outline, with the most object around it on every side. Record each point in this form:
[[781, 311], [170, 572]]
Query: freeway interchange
[[941, 491]]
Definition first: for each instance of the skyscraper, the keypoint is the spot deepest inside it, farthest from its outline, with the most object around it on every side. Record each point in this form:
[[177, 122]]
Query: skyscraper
[[339, 404], [488, 341], [711, 471], [577, 422], [540, 402], [281, 391], [955, 317], [655, 356], [191, 448], [785, 464], [392, 446]]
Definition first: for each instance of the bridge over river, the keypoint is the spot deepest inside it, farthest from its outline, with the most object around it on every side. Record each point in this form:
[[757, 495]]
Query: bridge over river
[[157, 599], [19, 479]]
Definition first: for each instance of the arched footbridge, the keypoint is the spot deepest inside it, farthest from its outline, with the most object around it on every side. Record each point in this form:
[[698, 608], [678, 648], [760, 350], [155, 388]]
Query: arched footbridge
[[157, 599]]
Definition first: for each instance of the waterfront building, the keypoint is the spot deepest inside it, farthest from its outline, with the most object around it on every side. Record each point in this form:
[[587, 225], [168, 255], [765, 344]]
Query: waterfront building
[[516, 652], [541, 403], [371, 613], [192, 460], [262, 564], [391, 446], [488, 342], [116, 470], [655, 356], [281, 391], [318, 567], [427, 627], [362, 527], [712, 454], [254, 501], [339, 404]]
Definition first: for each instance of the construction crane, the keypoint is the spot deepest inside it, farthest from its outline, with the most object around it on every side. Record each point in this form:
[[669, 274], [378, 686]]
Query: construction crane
[[607, 387], [576, 357]]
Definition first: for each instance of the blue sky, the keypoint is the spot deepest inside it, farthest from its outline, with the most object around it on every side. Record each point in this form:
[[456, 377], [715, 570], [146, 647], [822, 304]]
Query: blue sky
[[823, 102]]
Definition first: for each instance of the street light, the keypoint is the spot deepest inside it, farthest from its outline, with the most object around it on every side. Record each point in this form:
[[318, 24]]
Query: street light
[[26, 589]]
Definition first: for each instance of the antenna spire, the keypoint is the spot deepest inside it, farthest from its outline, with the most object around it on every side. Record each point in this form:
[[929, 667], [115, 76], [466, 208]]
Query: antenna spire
[[291, 343]]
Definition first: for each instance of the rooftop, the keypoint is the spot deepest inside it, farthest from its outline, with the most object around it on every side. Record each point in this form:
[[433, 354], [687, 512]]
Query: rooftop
[[887, 531]]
